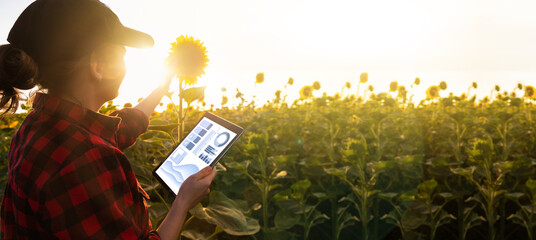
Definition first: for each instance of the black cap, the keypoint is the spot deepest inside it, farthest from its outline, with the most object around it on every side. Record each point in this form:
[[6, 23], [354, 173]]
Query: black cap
[[62, 30]]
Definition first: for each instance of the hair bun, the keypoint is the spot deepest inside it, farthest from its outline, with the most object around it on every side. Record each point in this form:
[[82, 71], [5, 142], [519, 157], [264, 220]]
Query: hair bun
[[17, 69]]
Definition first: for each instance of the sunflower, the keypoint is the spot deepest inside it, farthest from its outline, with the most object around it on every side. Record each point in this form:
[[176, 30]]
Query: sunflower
[[348, 85], [497, 88], [402, 93], [432, 92], [474, 85], [417, 81], [260, 78], [371, 88], [519, 86], [393, 86], [363, 78], [224, 100], [239, 94], [443, 85], [187, 59], [290, 81], [530, 92], [316, 85], [463, 97], [278, 94], [337, 96], [306, 92]]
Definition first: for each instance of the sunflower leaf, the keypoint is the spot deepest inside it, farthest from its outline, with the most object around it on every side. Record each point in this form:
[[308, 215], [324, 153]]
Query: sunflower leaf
[[192, 94]]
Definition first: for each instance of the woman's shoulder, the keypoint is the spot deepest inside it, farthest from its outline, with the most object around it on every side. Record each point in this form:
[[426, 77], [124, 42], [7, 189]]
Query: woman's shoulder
[[43, 137]]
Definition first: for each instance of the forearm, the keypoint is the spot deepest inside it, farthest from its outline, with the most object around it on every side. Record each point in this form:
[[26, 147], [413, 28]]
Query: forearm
[[171, 226], [148, 104]]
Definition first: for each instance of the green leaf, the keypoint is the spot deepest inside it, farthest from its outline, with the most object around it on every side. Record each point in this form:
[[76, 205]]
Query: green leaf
[[157, 211], [531, 185], [226, 213], [199, 229], [339, 172], [167, 128], [285, 219], [319, 195], [191, 94], [387, 196], [299, 189]]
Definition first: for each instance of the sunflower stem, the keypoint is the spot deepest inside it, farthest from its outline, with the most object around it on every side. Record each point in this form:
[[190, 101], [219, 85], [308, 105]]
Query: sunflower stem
[[181, 118]]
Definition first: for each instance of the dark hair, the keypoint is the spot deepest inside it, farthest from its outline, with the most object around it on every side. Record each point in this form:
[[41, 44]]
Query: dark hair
[[18, 71]]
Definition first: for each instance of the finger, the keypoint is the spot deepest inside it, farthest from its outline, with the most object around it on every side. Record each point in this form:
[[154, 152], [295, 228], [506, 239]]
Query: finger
[[204, 172], [212, 174], [207, 179]]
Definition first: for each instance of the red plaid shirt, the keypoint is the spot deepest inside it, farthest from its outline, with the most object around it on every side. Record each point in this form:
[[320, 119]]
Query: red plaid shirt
[[68, 178]]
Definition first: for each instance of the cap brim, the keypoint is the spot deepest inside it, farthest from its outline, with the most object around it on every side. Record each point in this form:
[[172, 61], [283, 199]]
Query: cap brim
[[134, 38]]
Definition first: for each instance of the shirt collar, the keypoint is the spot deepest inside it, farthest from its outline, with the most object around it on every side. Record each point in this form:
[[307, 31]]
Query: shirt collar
[[96, 123]]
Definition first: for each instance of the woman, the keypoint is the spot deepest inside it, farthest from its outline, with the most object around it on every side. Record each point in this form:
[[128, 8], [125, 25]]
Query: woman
[[68, 178]]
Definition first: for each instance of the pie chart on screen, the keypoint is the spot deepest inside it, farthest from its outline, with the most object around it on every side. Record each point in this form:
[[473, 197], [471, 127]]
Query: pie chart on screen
[[222, 139]]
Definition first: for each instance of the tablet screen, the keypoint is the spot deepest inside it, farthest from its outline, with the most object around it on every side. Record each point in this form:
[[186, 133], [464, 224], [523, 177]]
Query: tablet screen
[[206, 143]]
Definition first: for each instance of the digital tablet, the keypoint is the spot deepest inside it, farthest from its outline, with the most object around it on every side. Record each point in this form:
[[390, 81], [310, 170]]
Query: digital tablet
[[204, 146]]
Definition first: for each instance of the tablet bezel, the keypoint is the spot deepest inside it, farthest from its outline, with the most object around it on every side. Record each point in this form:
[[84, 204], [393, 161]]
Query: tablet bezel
[[224, 123]]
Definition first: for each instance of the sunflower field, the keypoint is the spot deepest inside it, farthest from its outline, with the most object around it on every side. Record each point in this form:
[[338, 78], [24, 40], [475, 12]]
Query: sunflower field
[[377, 166]]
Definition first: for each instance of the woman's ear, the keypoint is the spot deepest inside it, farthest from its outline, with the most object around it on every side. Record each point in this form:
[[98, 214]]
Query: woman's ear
[[95, 67]]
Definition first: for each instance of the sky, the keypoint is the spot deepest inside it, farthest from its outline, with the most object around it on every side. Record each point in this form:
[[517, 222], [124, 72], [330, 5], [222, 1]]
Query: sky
[[486, 41]]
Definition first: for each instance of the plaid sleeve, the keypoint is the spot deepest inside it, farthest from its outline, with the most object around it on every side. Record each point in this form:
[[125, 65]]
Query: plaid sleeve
[[95, 196], [133, 124]]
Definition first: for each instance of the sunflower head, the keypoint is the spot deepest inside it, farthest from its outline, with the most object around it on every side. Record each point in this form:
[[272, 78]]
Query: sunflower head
[[474, 85], [224, 100], [463, 97], [402, 93], [260, 78], [371, 88], [497, 88], [278, 94], [393, 86], [290, 81], [316, 85], [417, 81], [485, 99], [239, 94], [348, 85], [337, 96], [443, 85], [530, 91], [187, 59], [306, 92], [363, 78], [519, 86], [432, 92]]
